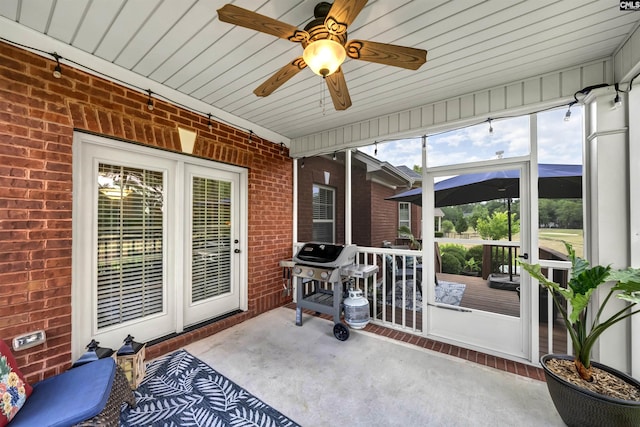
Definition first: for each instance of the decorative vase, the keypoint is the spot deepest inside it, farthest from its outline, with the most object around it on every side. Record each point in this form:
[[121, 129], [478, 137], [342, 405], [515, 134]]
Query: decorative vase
[[578, 406]]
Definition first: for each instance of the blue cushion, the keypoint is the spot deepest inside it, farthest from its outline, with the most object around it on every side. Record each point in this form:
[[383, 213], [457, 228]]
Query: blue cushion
[[69, 398]]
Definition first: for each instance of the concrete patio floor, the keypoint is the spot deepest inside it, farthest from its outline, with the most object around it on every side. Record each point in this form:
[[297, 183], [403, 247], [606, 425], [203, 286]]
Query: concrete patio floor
[[368, 380]]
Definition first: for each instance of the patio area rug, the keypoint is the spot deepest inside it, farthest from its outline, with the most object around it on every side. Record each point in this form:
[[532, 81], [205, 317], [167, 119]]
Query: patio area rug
[[449, 292], [446, 293], [181, 390]]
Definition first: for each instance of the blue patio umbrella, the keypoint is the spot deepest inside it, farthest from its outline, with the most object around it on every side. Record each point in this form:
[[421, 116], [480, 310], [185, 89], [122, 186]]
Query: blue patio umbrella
[[555, 181]]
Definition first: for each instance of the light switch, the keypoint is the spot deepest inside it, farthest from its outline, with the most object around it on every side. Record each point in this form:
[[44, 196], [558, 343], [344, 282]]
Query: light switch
[[29, 340]]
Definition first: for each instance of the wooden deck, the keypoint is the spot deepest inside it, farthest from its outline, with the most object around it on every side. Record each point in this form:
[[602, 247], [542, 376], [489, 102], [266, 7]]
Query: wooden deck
[[478, 296]]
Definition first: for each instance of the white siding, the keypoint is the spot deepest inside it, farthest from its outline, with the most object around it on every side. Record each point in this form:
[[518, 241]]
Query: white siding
[[522, 97]]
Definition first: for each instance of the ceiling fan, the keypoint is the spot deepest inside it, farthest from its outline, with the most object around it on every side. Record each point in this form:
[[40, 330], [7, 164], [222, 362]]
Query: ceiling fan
[[325, 44]]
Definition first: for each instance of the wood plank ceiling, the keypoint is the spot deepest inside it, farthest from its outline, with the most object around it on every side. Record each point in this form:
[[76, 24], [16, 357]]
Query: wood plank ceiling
[[472, 45]]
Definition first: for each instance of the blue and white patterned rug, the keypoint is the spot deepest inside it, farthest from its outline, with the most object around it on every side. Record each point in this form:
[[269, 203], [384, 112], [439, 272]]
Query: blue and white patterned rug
[[181, 390], [446, 293]]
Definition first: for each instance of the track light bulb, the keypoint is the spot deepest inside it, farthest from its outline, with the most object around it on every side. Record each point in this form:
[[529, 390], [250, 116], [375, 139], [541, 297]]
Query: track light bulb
[[302, 164], [149, 101], [57, 71], [617, 102], [334, 155], [209, 124], [567, 115], [490, 127]]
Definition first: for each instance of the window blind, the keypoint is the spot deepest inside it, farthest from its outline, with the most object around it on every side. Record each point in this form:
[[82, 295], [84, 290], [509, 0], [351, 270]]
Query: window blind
[[404, 215], [323, 209], [130, 244], [210, 238]]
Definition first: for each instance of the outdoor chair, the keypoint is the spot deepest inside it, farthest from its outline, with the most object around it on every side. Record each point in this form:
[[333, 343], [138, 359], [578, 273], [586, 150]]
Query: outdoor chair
[[400, 271], [88, 395]]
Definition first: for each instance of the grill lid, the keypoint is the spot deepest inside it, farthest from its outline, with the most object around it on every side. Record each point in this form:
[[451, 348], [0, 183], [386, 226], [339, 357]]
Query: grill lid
[[319, 252], [326, 254]]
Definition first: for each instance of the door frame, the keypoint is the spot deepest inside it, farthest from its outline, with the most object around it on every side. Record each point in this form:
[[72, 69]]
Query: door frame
[[82, 331], [436, 319]]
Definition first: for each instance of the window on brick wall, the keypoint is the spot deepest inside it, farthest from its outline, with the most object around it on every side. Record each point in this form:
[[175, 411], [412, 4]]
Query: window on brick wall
[[323, 214], [404, 215]]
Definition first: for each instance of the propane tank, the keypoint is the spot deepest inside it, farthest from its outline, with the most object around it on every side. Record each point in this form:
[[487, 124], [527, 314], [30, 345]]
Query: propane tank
[[356, 309]]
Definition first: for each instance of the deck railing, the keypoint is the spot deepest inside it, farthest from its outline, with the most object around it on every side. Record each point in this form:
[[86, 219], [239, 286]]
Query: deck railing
[[394, 292], [554, 270], [399, 279]]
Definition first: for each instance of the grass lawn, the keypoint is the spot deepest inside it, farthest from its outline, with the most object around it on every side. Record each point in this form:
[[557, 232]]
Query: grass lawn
[[553, 238]]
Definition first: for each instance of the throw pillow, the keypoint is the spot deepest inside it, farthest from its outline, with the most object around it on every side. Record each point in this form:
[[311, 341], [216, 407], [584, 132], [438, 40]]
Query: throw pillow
[[14, 390]]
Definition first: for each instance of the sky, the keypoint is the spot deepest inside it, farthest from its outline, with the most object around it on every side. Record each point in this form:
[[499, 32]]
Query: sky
[[559, 141]]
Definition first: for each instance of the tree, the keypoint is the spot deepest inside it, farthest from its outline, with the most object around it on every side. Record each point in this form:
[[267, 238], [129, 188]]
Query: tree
[[479, 211], [447, 226], [569, 213], [461, 225], [546, 212], [496, 227], [452, 213]]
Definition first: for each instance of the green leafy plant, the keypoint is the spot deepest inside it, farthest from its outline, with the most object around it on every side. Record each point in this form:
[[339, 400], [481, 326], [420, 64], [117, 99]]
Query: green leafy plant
[[585, 279], [471, 265], [404, 231]]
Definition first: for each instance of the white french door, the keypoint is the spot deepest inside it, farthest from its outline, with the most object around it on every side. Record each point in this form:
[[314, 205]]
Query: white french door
[[498, 326], [158, 242], [211, 243]]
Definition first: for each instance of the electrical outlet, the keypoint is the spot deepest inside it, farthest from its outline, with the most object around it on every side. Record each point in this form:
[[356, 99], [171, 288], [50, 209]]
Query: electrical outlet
[[29, 340]]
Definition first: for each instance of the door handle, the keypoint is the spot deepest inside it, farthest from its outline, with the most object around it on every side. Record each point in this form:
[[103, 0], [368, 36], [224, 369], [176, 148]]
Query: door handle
[[524, 256], [236, 251]]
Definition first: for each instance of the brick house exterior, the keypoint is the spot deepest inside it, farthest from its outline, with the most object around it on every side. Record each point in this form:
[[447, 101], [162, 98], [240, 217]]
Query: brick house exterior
[[38, 115], [374, 219]]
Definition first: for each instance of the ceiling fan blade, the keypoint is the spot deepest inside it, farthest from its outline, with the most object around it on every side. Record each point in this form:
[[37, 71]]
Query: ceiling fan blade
[[387, 54], [280, 77], [338, 90], [342, 14], [249, 19]]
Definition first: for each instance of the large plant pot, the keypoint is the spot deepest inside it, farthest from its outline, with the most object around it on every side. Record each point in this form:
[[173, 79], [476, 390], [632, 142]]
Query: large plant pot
[[581, 407]]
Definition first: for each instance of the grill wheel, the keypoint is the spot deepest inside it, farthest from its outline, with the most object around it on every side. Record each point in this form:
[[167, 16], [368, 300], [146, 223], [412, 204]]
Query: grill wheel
[[341, 332]]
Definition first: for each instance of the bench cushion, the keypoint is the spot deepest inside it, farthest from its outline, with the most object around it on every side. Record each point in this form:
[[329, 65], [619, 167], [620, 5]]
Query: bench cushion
[[69, 398]]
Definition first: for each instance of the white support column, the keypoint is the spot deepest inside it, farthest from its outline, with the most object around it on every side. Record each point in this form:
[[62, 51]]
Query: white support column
[[634, 215], [295, 201], [606, 201], [428, 238], [348, 226]]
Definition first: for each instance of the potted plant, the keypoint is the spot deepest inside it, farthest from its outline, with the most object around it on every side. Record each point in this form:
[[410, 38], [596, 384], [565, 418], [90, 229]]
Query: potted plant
[[405, 233], [471, 267], [580, 396]]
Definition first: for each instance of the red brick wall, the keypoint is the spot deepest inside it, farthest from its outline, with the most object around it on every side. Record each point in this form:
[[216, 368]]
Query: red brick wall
[[384, 215], [313, 173], [416, 221], [361, 205], [37, 116]]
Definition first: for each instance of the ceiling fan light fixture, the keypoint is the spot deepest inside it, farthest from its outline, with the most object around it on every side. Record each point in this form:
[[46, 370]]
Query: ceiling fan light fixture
[[324, 57]]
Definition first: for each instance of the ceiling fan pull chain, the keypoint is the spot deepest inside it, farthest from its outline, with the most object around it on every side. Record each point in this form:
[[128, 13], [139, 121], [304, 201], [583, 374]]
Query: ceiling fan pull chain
[[322, 97]]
